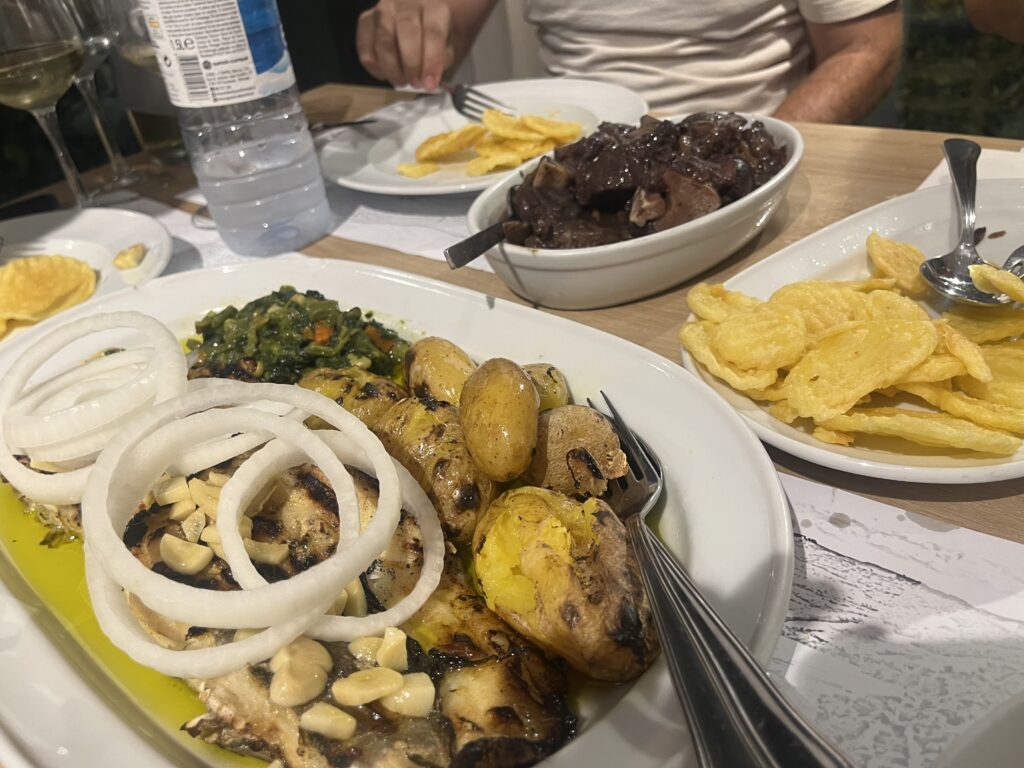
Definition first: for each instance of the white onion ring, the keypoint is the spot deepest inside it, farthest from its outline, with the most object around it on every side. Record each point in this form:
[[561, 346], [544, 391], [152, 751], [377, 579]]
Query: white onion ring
[[104, 506], [276, 458], [66, 487], [123, 629]]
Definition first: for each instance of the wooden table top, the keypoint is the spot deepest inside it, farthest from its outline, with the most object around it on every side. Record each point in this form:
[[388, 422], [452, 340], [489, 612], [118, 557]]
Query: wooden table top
[[845, 169]]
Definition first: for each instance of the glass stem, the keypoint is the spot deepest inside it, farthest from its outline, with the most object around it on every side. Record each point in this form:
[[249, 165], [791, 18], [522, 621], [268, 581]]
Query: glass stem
[[47, 119], [87, 87]]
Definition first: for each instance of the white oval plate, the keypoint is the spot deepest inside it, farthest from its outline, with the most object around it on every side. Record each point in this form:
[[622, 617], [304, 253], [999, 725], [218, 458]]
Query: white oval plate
[[996, 740], [927, 219], [366, 158], [724, 511], [94, 235]]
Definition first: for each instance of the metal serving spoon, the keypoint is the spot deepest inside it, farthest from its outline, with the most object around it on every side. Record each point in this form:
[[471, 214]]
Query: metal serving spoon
[[465, 251], [949, 274]]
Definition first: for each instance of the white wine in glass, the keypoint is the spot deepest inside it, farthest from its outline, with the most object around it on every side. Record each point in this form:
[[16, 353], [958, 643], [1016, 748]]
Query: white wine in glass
[[40, 53]]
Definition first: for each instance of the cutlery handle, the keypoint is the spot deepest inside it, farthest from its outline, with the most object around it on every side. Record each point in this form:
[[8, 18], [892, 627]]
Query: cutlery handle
[[463, 252], [737, 716], [962, 158]]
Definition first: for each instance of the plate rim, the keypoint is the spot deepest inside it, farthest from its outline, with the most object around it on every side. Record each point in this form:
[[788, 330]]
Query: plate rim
[[471, 186], [767, 624], [825, 455]]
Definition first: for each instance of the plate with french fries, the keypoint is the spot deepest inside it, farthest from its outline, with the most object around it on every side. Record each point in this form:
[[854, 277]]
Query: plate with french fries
[[425, 147], [836, 351]]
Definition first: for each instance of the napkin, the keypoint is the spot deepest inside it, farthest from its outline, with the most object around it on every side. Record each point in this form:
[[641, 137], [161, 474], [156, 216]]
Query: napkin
[[992, 164]]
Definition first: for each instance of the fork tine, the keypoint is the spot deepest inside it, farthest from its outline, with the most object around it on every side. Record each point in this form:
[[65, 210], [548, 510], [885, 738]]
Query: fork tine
[[483, 98], [635, 449]]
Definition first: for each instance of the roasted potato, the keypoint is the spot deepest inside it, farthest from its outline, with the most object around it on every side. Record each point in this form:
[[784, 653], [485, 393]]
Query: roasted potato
[[577, 452], [561, 572], [426, 437], [365, 394], [551, 385], [434, 367], [498, 410]]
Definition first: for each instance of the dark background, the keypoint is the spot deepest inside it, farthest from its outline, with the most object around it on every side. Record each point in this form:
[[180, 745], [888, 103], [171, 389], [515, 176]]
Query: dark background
[[953, 79]]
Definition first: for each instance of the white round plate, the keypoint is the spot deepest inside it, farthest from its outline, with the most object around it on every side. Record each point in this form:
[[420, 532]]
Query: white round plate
[[724, 512], [927, 219], [994, 741], [94, 235], [366, 157]]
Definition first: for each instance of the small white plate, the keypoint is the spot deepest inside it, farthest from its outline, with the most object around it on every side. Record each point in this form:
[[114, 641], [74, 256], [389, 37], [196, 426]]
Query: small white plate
[[927, 219], [366, 158], [93, 235], [723, 513]]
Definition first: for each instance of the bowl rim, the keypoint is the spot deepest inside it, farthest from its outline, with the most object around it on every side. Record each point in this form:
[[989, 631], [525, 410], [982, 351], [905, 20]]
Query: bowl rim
[[569, 258]]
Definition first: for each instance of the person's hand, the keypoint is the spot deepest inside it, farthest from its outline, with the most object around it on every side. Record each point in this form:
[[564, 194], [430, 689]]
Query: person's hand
[[406, 41]]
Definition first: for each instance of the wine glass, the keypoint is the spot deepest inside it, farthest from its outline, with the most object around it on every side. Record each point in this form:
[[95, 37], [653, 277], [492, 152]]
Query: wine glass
[[157, 132], [98, 36], [40, 53]]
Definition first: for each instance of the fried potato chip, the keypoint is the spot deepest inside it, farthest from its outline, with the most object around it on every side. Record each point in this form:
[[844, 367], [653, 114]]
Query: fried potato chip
[[888, 305], [480, 166], [713, 302], [559, 130], [36, 287], [854, 361], [783, 411], [925, 428], [417, 170], [996, 281], [1006, 361], [695, 338], [992, 415], [938, 367], [901, 261], [525, 149], [963, 349], [824, 305], [451, 143], [766, 338], [832, 436], [984, 324], [509, 127], [774, 393]]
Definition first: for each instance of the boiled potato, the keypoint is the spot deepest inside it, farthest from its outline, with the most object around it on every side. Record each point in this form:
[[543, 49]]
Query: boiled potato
[[551, 384], [425, 436], [498, 409], [561, 573], [577, 452], [364, 394], [434, 367]]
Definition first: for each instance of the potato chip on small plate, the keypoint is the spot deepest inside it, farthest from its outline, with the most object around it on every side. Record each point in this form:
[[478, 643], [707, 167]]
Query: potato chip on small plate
[[367, 158], [89, 241], [878, 367]]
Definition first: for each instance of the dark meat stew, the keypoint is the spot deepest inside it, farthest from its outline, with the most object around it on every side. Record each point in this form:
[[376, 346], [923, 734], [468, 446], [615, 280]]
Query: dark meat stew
[[624, 181]]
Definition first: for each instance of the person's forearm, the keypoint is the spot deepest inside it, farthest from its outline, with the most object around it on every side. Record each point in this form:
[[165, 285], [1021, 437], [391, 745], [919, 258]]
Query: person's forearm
[[842, 89], [856, 63], [998, 17]]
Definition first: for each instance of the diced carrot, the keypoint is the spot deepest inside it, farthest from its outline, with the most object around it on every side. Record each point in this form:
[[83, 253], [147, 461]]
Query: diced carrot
[[322, 333]]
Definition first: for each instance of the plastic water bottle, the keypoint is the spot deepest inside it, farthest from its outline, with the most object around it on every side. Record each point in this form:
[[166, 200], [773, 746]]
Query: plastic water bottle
[[227, 69]]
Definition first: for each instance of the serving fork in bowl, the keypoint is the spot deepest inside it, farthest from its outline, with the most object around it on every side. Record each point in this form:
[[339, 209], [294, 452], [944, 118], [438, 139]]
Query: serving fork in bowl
[[738, 718]]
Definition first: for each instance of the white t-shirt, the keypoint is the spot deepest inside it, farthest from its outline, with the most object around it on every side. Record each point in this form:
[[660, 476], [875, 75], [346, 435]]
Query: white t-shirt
[[688, 55]]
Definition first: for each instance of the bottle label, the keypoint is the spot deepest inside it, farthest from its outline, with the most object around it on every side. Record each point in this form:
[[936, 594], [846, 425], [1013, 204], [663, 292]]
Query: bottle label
[[218, 52]]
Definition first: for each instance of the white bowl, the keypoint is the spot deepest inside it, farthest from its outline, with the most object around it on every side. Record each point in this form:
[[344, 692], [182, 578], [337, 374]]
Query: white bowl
[[604, 275]]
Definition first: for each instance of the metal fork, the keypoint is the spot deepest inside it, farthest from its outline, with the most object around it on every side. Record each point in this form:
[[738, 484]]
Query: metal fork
[[737, 717], [472, 102]]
